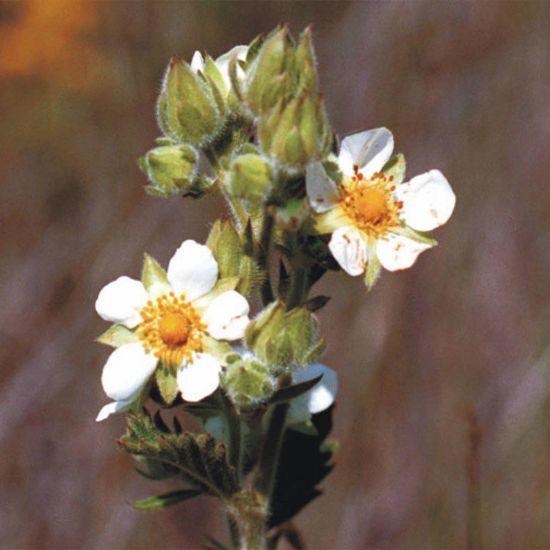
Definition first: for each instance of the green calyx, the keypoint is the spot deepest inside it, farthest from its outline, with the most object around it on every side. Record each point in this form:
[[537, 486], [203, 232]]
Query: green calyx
[[250, 177], [188, 110], [283, 338], [247, 381], [170, 169]]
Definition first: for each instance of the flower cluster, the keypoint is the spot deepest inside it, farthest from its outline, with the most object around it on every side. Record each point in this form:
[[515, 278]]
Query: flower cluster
[[252, 126]]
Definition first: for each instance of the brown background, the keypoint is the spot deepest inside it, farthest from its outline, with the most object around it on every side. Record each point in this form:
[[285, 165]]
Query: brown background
[[464, 87]]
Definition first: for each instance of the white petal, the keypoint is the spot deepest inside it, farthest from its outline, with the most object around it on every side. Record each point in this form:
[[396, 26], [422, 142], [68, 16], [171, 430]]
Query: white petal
[[197, 62], [121, 301], [318, 398], [368, 150], [112, 408], [127, 371], [192, 270], [396, 252], [349, 248], [428, 201], [321, 190], [227, 316], [199, 378], [222, 63]]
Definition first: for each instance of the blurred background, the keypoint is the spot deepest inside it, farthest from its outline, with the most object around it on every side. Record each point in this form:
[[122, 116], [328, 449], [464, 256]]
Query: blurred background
[[443, 368]]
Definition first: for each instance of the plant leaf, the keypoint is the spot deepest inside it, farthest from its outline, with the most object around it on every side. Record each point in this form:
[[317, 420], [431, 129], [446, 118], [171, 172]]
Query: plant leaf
[[290, 392], [163, 501], [197, 459], [305, 462]]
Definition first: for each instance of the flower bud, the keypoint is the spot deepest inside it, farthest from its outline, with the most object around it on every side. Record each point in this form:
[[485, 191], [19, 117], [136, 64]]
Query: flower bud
[[298, 133], [171, 169], [270, 76], [247, 380], [187, 109], [250, 177], [284, 339]]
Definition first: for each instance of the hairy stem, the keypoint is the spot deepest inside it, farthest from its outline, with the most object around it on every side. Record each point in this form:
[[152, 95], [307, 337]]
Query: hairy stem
[[269, 456], [266, 289]]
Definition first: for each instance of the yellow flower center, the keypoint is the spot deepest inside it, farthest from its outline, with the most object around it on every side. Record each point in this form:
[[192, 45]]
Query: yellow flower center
[[174, 329], [369, 204], [171, 329]]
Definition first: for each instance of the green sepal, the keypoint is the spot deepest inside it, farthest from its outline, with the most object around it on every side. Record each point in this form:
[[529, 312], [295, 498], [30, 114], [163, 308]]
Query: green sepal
[[418, 236], [197, 459], [153, 274], [165, 500], [218, 348], [225, 244], [374, 267], [235, 84], [211, 70], [118, 335], [395, 168], [254, 48], [165, 377], [315, 352], [306, 64]]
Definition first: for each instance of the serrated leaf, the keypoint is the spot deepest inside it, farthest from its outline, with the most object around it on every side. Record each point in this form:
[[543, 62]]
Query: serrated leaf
[[118, 335], [163, 501], [199, 460], [165, 377], [302, 466], [290, 392], [153, 275]]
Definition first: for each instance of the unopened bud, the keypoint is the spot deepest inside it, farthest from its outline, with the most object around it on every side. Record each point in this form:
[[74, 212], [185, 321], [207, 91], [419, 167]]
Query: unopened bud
[[250, 177], [171, 169], [270, 76], [247, 380], [301, 132], [187, 109]]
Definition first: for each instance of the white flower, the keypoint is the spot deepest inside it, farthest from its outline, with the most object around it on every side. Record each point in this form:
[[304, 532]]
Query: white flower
[[222, 64], [372, 216], [318, 398], [172, 315]]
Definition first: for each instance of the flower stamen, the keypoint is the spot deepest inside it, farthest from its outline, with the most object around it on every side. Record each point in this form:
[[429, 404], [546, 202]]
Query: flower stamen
[[171, 329], [369, 203]]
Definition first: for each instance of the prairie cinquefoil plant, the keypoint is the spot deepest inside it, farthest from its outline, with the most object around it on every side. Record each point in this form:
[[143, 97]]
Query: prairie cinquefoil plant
[[252, 126]]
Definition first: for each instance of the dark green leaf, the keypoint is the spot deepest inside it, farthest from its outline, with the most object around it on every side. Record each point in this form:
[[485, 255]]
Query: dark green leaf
[[290, 392], [305, 462], [197, 459]]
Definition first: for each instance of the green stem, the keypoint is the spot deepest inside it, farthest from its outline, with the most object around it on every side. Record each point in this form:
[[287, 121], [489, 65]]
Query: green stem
[[271, 450], [266, 236], [298, 288]]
